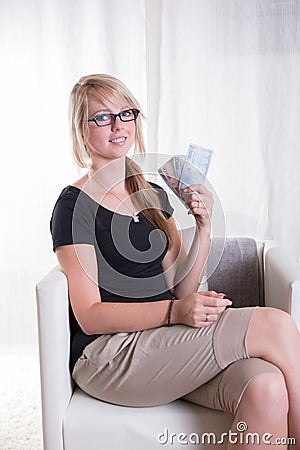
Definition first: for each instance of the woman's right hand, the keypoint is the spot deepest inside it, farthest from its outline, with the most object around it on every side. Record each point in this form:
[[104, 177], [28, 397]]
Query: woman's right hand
[[199, 309]]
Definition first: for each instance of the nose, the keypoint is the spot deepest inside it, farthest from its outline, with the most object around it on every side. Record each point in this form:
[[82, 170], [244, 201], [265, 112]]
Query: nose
[[117, 124]]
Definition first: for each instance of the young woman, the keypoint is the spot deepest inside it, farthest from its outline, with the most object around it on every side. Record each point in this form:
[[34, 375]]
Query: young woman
[[141, 333]]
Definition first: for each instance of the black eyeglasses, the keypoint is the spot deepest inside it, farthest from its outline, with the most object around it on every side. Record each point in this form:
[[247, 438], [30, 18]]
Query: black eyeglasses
[[102, 120]]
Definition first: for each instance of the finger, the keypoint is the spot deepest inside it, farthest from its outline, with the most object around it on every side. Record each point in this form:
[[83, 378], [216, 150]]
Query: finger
[[207, 323], [199, 212], [188, 189], [215, 302], [213, 294], [198, 206], [214, 310], [210, 317], [197, 203], [192, 194], [173, 181], [198, 188], [197, 197]]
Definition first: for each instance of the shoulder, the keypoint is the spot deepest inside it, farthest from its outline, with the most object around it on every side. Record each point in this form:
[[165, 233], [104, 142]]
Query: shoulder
[[63, 209], [69, 194], [159, 190], [66, 201], [73, 205], [72, 218], [73, 198]]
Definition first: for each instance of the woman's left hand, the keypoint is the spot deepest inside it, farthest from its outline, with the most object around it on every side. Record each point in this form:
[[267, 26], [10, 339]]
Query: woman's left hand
[[200, 201]]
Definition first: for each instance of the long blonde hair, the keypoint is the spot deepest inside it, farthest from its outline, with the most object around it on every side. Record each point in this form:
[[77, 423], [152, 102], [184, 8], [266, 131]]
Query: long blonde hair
[[108, 88]]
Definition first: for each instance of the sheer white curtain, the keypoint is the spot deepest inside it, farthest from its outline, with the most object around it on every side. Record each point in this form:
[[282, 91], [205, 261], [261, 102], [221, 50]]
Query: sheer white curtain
[[221, 73], [229, 79], [45, 47]]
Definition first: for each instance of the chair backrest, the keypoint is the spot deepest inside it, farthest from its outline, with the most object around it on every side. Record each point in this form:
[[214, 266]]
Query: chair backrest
[[234, 267], [239, 272]]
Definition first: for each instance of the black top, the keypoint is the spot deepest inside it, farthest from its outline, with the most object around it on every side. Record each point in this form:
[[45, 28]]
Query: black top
[[129, 253]]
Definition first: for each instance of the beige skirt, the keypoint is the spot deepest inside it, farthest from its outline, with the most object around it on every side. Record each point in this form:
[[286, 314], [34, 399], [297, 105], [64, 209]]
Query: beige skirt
[[209, 366]]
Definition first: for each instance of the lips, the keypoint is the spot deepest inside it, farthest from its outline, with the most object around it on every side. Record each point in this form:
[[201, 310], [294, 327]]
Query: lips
[[118, 140]]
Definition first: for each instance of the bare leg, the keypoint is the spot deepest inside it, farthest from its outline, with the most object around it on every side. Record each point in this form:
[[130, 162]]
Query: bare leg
[[263, 409], [274, 337]]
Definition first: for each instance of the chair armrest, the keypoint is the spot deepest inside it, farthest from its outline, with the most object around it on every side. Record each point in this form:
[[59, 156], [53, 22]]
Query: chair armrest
[[54, 343], [282, 281]]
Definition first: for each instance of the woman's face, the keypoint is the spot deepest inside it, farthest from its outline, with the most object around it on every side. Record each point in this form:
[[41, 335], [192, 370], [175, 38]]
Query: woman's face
[[111, 141]]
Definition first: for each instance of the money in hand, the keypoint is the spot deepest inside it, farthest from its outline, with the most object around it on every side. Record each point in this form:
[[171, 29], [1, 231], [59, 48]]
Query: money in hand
[[182, 171]]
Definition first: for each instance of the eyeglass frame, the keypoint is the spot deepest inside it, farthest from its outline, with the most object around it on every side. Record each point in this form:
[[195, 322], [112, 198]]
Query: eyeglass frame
[[114, 117]]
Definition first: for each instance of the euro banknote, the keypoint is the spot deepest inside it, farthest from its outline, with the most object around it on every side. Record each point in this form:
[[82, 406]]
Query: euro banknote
[[195, 166], [182, 171]]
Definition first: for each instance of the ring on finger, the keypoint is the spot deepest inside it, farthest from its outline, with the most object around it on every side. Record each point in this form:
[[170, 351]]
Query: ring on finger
[[207, 318]]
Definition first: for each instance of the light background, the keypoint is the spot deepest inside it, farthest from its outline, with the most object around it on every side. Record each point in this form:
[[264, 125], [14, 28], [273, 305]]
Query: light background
[[221, 73]]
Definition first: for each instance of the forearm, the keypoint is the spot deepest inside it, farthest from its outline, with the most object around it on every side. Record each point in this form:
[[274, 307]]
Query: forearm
[[189, 273], [109, 318]]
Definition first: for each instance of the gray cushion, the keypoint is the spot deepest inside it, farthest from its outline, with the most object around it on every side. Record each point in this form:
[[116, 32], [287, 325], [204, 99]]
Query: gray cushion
[[233, 268]]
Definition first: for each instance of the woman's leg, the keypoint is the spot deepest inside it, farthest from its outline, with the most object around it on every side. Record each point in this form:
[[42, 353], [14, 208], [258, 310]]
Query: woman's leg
[[254, 391], [261, 416], [273, 336]]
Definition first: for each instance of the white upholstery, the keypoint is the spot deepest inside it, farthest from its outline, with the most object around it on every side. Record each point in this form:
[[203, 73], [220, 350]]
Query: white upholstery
[[104, 426], [74, 421], [282, 281]]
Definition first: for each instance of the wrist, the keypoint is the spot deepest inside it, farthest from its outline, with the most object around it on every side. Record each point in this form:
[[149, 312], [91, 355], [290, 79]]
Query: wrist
[[204, 231], [170, 310], [174, 312]]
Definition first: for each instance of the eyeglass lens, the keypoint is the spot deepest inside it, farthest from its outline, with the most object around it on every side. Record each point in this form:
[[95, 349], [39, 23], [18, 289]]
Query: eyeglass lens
[[109, 119]]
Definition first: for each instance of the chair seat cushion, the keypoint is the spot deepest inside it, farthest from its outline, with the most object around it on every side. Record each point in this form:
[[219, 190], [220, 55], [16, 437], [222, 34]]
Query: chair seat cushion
[[96, 425]]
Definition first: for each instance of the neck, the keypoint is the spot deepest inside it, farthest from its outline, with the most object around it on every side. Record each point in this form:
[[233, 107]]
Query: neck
[[110, 177]]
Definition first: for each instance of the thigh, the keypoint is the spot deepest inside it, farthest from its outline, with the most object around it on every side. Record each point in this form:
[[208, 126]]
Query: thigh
[[156, 366], [147, 368], [224, 392]]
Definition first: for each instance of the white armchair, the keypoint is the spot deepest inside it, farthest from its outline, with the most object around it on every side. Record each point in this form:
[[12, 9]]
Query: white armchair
[[73, 420]]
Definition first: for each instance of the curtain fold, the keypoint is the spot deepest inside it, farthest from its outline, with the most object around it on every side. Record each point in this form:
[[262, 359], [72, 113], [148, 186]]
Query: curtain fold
[[221, 73], [229, 81]]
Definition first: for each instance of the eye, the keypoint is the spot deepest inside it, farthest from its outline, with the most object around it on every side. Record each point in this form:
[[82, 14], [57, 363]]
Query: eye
[[128, 113], [103, 117]]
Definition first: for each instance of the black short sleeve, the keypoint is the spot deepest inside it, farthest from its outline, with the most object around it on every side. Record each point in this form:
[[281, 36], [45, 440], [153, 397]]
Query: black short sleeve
[[73, 219]]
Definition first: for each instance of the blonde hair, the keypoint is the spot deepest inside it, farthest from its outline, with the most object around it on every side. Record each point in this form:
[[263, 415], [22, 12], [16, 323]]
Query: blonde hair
[[105, 88]]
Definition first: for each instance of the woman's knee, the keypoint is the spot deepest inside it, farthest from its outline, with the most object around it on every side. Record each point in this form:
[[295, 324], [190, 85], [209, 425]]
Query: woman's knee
[[266, 397], [268, 326], [273, 318]]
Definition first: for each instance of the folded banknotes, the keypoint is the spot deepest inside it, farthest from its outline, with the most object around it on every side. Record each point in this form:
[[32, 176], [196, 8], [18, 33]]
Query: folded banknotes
[[182, 171]]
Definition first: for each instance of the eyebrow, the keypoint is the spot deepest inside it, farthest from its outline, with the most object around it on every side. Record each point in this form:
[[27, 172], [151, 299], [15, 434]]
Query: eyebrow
[[102, 111], [124, 108]]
